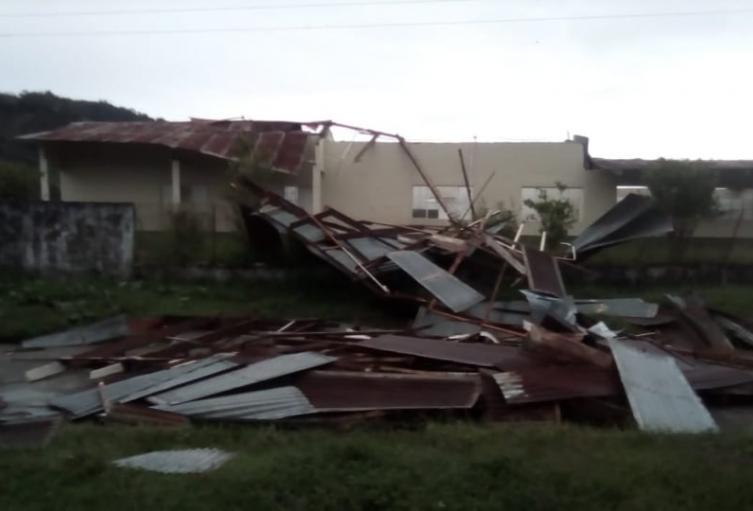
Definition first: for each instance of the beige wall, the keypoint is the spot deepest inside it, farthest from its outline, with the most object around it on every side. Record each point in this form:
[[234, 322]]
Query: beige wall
[[379, 186], [142, 175]]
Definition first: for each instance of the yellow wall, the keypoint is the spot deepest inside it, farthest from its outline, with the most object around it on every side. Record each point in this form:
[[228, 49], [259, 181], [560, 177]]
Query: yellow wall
[[379, 186], [139, 174]]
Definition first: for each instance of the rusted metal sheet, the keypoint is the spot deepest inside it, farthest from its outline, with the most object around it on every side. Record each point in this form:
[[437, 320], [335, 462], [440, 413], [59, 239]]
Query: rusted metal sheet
[[556, 383], [448, 289], [735, 328], [474, 354], [567, 345], [659, 395], [696, 315], [543, 272], [362, 391], [144, 416], [283, 144]]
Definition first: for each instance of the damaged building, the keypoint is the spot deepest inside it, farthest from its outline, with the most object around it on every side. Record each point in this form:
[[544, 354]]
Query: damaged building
[[160, 166]]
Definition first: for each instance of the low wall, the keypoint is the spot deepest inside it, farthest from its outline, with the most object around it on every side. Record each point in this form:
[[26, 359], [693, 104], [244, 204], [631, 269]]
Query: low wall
[[53, 237]]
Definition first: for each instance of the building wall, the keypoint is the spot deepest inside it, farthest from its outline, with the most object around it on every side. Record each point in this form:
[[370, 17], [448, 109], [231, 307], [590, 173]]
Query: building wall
[[380, 186], [142, 175]]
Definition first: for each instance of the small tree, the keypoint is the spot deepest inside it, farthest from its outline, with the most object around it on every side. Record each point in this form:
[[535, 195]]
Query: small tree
[[685, 191], [18, 182], [556, 215], [503, 219]]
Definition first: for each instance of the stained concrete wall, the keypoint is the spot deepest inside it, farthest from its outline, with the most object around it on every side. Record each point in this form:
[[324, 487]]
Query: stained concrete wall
[[69, 237]]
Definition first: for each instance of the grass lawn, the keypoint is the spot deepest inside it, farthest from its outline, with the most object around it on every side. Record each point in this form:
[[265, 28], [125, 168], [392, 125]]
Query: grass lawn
[[432, 466], [33, 306]]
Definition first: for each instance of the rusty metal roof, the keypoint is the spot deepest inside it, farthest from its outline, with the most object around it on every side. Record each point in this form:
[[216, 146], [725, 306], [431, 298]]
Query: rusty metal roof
[[279, 144], [470, 353], [555, 383], [362, 391]]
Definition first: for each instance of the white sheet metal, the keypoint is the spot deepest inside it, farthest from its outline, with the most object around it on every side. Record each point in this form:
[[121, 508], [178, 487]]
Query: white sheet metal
[[104, 330], [270, 404], [260, 371], [660, 397], [89, 401], [448, 289], [187, 461]]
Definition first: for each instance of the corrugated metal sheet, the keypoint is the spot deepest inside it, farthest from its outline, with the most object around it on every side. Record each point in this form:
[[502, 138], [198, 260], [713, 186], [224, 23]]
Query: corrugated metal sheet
[[187, 461], [282, 145], [254, 373], [697, 317], [271, 404], [310, 232], [342, 259], [562, 310], [627, 307], [734, 328], [470, 353], [278, 215], [89, 334], [361, 391], [220, 365], [89, 401], [448, 289], [555, 383], [659, 395], [633, 217], [371, 248]]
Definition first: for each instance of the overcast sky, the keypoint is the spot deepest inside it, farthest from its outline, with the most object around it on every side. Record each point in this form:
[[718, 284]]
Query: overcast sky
[[671, 85]]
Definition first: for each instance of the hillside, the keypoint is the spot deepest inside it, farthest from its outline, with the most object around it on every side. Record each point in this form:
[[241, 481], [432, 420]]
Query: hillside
[[30, 112]]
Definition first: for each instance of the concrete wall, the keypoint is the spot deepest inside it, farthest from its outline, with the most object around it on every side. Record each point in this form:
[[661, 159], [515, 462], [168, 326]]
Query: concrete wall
[[379, 186], [51, 237], [142, 175]]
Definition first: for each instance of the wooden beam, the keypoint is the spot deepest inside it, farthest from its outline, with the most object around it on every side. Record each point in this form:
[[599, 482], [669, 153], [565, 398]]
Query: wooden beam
[[426, 179], [365, 148], [467, 184]]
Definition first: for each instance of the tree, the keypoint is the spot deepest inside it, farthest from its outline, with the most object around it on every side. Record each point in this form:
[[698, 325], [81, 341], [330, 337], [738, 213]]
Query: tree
[[685, 191], [30, 112], [18, 182], [502, 220], [556, 215]]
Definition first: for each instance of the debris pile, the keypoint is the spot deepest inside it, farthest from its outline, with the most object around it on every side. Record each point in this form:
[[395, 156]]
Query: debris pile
[[468, 354]]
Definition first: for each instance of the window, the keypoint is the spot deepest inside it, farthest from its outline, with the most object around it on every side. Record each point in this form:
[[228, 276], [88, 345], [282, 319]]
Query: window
[[573, 195], [425, 205], [291, 194]]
